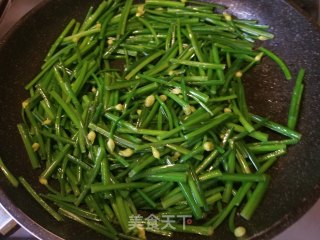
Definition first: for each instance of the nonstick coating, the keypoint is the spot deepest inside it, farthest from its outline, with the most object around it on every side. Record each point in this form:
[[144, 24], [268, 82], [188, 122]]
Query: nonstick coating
[[295, 177]]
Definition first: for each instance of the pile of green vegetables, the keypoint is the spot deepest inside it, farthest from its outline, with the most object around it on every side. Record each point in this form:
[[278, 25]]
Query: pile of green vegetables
[[142, 107]]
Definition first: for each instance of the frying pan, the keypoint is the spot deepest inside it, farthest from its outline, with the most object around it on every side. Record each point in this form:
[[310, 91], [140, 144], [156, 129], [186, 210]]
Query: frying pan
[[295, 177]]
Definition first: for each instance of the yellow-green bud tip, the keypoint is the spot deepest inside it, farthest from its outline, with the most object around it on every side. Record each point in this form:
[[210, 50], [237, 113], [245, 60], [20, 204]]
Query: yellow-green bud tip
[[141, 232], [43, 181], [187, 110], [208, 146], [110, 41], [155, 153], [163, 98], [91, 136], [239, 74], [47, 121], [258, 57], [227, 16], [126, 152], [111, 145], [176, 155], [149, 101], [35, 146], [240, 232], [119, 107], [25, 103], [140, 10], [262, 38], [176, 91], [227, 110]]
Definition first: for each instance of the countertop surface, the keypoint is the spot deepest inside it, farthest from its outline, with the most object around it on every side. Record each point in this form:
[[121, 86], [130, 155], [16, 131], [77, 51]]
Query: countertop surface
[[307, 227]]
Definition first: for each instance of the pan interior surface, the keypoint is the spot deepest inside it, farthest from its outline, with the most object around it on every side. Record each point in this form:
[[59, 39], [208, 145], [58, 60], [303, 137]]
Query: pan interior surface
[[295, 179]]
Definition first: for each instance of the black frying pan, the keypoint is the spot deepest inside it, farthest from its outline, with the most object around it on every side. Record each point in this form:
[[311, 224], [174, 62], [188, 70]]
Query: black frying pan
[[295, 177]]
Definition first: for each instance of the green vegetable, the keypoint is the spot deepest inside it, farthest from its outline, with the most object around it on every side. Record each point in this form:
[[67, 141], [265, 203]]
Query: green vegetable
[[97, 227], [33, 193], [279, 61], [11, 178], [254, 200], [143, 107], [296, 100]]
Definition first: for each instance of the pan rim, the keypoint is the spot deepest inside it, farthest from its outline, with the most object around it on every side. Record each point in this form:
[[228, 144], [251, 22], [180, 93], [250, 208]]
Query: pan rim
[[5, 201]]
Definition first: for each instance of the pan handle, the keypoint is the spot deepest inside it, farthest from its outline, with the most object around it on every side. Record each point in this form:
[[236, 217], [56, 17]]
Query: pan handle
[[7, 223]]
